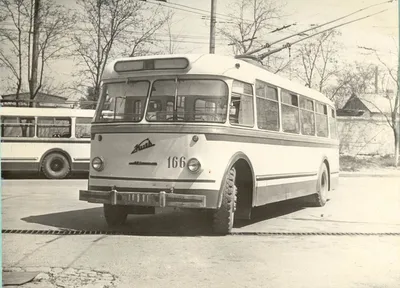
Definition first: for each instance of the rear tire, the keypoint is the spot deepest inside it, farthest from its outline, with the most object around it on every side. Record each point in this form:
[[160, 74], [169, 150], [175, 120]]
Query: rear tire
[[115, 215], [55, 166], [322, 187], [224, 216]]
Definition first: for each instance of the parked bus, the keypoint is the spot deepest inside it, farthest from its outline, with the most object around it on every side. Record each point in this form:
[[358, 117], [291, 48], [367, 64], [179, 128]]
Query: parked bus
[[207, 132], [54, 141]]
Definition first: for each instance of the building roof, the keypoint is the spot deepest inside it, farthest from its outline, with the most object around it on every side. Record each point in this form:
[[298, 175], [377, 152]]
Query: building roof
[[375, 103], [42, 99], [39, 97]]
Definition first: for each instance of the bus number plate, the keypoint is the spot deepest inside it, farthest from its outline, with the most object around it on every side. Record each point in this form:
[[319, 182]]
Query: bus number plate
[[176, 162], [139, 198]]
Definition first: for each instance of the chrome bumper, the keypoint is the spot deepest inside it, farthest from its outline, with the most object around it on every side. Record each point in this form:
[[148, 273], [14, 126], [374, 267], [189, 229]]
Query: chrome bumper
[[160, 199]]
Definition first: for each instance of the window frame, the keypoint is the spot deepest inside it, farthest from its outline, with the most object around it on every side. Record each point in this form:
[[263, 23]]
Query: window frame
[[305, 98], [266, 86], [246, 95], [325, 114], [291, 93], [17, 124], [77, 124], [180, 101], [102, 102], [69, 119]]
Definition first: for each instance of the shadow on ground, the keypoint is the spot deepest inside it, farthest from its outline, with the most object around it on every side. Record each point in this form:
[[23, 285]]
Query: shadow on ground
[[165, 223]]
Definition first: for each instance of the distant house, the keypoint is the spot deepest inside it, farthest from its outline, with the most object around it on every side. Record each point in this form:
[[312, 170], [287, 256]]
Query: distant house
[[41, 100], [363, 127], [367, 105]]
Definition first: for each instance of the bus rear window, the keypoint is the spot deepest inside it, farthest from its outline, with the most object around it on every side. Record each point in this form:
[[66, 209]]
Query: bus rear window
[[124, 102]]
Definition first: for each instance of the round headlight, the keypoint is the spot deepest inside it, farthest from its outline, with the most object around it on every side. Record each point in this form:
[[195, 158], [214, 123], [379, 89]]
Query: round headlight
[[97, 164], [193, 165]]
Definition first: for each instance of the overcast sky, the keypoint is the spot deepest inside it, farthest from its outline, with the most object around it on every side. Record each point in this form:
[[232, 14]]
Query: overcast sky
[[379, 32]]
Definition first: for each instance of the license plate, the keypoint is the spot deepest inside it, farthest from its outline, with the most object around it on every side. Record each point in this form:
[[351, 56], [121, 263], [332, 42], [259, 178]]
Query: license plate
[[139, 198]]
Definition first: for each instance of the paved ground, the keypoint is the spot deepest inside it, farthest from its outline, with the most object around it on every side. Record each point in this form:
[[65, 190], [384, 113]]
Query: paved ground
[[186, 256]]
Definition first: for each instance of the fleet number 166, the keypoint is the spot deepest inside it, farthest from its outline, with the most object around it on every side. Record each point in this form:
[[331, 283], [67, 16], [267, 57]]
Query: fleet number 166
[[175, 162]]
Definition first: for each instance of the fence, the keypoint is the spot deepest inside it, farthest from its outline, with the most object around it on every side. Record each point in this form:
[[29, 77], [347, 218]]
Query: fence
[[365, 136]]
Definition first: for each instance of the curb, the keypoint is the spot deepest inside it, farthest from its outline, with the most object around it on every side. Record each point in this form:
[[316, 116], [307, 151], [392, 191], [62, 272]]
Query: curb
[[370, 174]]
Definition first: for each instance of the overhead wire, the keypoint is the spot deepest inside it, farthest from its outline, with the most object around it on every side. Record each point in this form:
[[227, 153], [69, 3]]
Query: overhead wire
[[332, 28], [267, 45]]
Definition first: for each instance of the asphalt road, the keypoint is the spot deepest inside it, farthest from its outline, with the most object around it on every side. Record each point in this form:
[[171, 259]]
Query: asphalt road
[[185, 255]]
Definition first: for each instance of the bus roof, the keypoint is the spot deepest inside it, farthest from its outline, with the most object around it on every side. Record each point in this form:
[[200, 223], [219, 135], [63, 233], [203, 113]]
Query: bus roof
[[218, 65], [45, 112]]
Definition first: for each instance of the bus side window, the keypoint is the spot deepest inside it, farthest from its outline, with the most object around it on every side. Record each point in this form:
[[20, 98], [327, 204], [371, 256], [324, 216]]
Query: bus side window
[[54, 127], [241, 110], [332, 123], [307, 116], [321, 119], [267, 106], [82, 127], [17, 127], [290, 112]]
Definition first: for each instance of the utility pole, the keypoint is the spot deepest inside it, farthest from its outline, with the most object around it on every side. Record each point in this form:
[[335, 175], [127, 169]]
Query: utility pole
[[35, 52], [212, 26]]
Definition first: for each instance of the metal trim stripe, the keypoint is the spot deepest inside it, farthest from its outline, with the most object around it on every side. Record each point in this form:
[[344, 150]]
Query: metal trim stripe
[[179, 233], [267, 140], [150, 190], [221, 133], [152, 179], [82, 159], [283, 176], [30, 140], [19, 158]]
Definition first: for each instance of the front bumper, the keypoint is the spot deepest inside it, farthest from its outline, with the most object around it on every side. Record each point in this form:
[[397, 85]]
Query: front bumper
[[160, 199]]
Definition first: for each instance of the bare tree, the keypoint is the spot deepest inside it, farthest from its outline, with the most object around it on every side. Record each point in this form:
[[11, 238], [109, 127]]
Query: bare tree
[[394, 102], [16, 54], [355, 79], [110, 28], [318, 60], [250, 22], [171, 45], [12, 36], [245, 34]]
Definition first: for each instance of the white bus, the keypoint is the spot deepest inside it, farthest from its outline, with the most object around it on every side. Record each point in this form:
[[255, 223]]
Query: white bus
[[54, 141], [207, 132]]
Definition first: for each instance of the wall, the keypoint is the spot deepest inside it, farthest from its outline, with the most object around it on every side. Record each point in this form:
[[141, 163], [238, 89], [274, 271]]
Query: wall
[[365, 136]]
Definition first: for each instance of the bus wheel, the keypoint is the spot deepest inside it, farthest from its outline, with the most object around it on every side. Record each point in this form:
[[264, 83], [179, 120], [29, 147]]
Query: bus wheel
[[223, 217], [322, 187], [55, 166], [115, 214]]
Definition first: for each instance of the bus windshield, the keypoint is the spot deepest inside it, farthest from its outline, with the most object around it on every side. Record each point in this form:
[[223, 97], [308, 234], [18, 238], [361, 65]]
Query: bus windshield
[[125, 101], [188, 101]]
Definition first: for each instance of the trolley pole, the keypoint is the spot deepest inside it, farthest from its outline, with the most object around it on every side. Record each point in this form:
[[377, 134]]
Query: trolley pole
[[212, 26]]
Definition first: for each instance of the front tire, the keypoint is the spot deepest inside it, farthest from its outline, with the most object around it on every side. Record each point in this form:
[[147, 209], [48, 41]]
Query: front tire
[[224, 216], [115, 215], [55, 166]]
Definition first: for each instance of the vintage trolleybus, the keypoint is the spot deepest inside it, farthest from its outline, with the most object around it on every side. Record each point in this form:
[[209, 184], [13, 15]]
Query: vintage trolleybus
[[210, 132], [53, 141]]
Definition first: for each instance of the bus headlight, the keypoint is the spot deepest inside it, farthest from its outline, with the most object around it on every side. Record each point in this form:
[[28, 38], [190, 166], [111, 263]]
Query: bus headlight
[[97, 164], [193, 165]]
